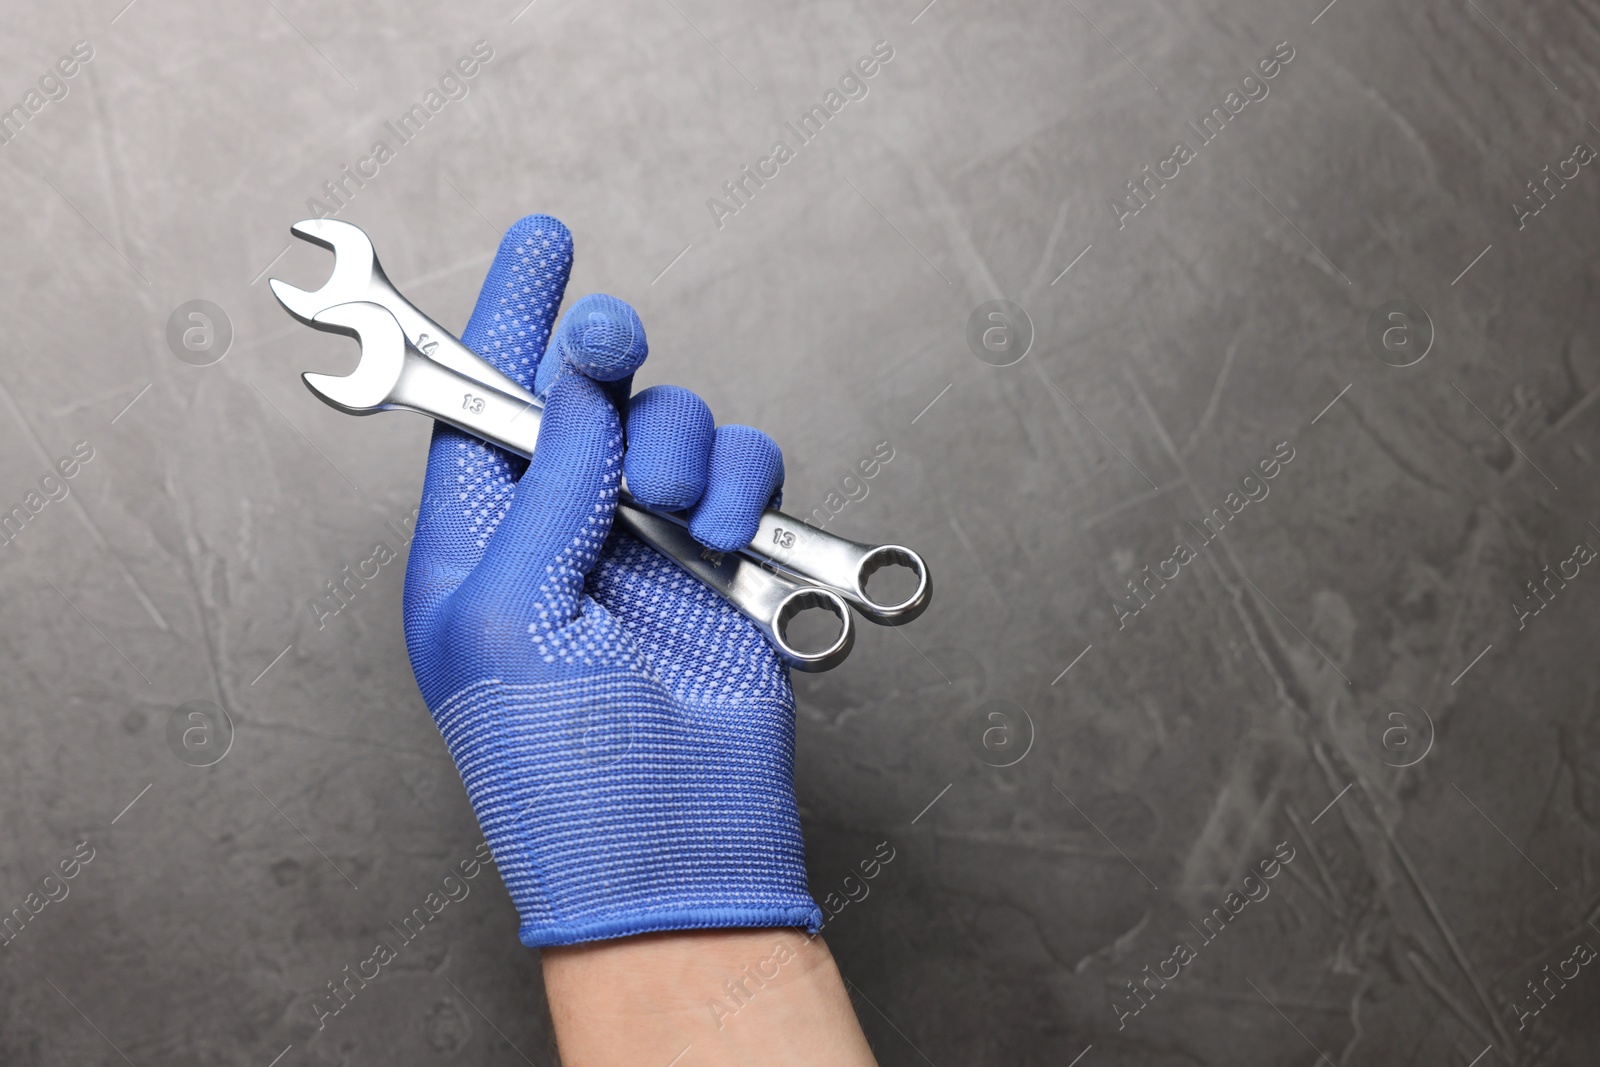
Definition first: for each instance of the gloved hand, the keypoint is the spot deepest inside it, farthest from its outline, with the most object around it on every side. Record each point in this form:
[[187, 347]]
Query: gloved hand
[[626, 737]]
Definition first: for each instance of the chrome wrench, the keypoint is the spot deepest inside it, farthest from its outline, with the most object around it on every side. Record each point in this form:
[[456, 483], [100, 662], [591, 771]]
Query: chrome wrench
[[780, 541], [393, 374]]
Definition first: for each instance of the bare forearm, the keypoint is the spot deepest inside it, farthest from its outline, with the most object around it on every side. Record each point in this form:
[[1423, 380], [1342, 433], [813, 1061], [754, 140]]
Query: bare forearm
[[732, 997]]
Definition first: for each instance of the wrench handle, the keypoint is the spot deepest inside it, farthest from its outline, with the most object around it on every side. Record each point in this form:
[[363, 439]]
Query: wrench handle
[[483, 411], [781, 540], [768, 599], [436, 342]]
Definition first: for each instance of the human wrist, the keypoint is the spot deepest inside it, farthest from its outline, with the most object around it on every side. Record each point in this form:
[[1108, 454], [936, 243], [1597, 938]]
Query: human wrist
[[773, 996]]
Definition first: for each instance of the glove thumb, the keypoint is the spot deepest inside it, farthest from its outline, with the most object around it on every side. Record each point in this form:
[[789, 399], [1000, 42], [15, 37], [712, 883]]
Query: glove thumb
[[535, 562]]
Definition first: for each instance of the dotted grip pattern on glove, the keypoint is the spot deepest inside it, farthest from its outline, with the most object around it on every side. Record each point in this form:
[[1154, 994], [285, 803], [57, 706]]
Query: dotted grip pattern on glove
[[626, 738]]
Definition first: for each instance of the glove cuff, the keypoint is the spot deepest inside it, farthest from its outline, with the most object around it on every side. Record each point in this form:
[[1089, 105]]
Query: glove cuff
[[805, 915]]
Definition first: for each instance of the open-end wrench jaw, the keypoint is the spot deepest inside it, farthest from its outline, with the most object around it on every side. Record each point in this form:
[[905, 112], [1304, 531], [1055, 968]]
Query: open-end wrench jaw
[[372, 385], [355, 269]]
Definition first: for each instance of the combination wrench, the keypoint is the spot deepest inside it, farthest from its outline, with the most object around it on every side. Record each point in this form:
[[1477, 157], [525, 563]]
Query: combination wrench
[[824, 559], [392, 374]]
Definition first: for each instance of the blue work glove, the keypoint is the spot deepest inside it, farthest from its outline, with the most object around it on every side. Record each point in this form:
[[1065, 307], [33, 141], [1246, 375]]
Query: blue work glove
[[626, 737]]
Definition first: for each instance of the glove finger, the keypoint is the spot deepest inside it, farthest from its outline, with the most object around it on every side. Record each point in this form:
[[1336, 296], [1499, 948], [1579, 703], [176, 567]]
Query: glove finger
[[602, 337], [510, 326], [670, 434], [533, 570], [746, 472], [469, 484]]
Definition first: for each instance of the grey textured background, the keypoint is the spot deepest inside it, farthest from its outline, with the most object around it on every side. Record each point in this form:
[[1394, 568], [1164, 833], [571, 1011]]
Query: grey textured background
[[1221, 320]]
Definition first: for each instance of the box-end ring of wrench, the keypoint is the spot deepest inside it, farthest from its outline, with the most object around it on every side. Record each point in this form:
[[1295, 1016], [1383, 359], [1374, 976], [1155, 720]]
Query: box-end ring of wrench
[[823, 558], [393, 374]]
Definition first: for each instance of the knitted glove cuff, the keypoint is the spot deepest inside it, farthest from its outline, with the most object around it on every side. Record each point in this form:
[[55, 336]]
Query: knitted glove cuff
[[803, 914]]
